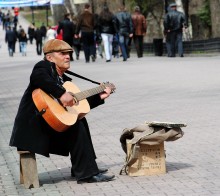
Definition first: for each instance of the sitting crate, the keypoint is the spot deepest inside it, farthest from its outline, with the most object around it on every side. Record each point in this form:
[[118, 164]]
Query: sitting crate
[[28, 170]]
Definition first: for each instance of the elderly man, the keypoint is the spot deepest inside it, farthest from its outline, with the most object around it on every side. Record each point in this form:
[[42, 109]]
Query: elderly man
[[174, 22], [140, 27], [32, 133]]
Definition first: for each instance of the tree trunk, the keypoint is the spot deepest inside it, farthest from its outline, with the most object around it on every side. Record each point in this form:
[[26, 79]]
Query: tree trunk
[[58, 11], [199, 30], [215, 17]]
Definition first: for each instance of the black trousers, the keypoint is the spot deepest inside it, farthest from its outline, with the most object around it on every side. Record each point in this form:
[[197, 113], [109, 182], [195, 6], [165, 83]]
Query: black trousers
[[82, 153], [89, 47], [77, 141], [138, 42], [39, 47], [176, 42]]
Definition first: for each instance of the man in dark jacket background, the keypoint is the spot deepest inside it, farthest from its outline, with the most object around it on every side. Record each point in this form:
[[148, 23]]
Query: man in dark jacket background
[[125, 30], [10, 38], [32, 133], [86, 25], [38, 35], [68, 28], [174, 22]]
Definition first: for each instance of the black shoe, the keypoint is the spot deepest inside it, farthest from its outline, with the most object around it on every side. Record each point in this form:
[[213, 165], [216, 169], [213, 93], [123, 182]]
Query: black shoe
[[101, 171], [93, 58], [181, 55], [97, 178], [108, 60], [124, 59]]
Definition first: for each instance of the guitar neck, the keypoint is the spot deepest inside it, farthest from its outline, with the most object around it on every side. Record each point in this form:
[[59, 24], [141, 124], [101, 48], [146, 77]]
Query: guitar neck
[[88, 93]]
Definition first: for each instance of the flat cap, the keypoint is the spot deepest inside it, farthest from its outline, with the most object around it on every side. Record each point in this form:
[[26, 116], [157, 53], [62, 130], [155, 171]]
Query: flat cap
[[137, 8], [173, 5], [56, 45]]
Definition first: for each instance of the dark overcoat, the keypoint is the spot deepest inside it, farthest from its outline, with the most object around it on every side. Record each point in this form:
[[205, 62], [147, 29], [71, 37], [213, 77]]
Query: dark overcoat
[[30, 131]]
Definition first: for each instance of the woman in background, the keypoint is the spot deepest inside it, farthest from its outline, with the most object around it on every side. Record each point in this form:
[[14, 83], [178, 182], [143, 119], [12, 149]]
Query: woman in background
[[22, 37], [107, 30]]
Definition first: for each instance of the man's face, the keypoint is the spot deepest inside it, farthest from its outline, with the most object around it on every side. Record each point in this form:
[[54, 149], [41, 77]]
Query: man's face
[[61, 60]]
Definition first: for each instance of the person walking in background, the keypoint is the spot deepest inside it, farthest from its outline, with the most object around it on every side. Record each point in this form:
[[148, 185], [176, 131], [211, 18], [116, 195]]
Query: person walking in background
[[107, 28], [115, 46], [140, 27], [31, 32], [86, 25], [125, 30], [76, 40], [39, 40], [18, 33], [10, 38], [43, 28], [50, 34], [22, 37], [174, 22], [68, 31], [167, 36], [1, 16]]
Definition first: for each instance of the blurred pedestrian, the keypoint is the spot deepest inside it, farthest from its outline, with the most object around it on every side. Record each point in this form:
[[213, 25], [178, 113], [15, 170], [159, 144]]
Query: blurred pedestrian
[[115, 46], [167, 36], [31, 32], [50, 34], [10, 38], [68, 31], [15, 22], [107, 29], [22, 37], [1, 16], [76, 40], [43, 28], [174, 22], [18, 33], [98, 44], [140, 27], [38, 35], [125, 30], [86, 25]]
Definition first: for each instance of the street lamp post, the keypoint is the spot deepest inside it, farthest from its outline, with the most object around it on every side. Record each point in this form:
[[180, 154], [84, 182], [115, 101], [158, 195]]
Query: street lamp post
[[47, 14], [32, 10]]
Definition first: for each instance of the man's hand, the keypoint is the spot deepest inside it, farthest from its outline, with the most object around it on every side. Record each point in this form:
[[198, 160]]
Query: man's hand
[[131, 35], [106, 93], [67, 99]]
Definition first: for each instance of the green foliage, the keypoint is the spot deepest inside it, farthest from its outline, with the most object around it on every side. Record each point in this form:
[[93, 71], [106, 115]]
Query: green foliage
[[205, 14], [146, 6], [39, 16]]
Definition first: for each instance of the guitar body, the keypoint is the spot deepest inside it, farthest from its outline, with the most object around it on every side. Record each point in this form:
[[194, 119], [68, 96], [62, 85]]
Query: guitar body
[[58, 117]]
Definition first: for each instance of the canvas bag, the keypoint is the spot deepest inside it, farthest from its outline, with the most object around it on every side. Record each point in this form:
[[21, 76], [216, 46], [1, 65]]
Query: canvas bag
[[152, 133]]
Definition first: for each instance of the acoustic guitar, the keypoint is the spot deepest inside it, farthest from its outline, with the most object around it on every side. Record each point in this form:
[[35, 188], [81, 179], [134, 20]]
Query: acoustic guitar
[[59, 117]]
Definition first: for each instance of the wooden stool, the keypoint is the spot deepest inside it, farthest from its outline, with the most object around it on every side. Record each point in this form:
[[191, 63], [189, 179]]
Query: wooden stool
[[28, 170]]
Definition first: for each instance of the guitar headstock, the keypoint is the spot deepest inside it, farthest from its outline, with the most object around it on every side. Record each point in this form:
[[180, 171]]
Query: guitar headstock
[[110, 85]]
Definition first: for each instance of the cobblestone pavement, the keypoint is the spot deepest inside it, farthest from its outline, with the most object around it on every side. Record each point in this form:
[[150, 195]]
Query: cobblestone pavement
[[151, 88]]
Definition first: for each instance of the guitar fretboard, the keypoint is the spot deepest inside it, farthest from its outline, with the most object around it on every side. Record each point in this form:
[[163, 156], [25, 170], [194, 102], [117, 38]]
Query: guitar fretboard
[[88, 93]]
